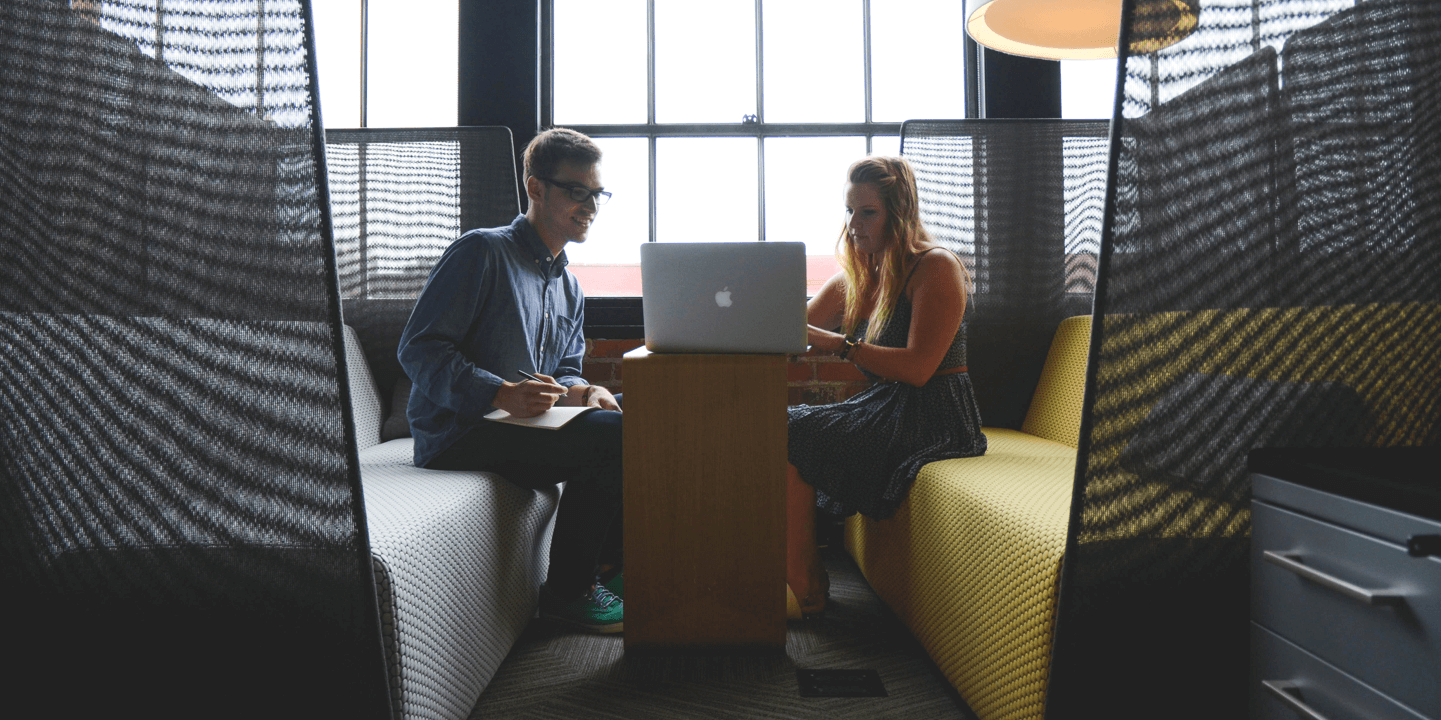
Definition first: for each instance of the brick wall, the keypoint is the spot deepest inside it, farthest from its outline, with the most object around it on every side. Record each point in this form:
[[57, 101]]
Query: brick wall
[[814, 380]]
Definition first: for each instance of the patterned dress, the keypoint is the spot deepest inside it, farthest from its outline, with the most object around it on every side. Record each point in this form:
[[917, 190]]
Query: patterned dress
[[862, 455]]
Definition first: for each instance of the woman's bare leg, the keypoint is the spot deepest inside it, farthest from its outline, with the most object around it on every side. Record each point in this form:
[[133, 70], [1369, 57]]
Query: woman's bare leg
[[803, 563]]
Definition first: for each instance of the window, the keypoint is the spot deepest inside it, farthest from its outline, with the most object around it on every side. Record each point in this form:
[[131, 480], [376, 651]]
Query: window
[[181, 34], [1088, 89], [735, 120], [387, 63]]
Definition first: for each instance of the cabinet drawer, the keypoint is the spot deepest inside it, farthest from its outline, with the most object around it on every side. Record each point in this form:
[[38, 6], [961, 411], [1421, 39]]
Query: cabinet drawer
[[1327, 691], [1393, 645]]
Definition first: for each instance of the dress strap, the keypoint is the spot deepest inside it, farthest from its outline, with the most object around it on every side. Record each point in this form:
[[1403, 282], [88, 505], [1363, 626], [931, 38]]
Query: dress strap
[[915, 265]]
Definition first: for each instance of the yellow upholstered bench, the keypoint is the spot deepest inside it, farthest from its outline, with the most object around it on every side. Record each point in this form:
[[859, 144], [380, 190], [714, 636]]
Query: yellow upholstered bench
[[971, 561]]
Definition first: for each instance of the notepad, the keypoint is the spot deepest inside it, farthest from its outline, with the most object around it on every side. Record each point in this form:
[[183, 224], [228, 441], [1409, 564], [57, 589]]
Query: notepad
[[552, 419]]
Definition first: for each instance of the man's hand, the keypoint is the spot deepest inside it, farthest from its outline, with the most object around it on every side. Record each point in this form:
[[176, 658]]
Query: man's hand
[[600, 397], [529, 398]]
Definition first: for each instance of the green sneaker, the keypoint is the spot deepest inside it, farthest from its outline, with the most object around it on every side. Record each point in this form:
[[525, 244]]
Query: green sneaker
[[599, 611], [616, 585]]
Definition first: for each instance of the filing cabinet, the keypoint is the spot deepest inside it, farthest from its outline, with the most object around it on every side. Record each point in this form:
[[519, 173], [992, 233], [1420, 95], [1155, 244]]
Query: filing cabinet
[[1346, 584]]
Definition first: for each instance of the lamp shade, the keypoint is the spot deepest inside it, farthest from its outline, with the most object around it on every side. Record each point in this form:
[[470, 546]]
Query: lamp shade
[[1077, 29]]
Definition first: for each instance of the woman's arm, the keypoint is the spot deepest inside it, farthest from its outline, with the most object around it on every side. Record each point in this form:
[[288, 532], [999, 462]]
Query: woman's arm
[[824, 314], [938, 303], [828, 308]]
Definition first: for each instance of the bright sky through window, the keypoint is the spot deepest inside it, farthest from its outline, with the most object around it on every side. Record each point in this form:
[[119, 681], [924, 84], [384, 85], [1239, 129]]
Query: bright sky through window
[[600, 61], [337, 53], [1088, 89], [622, 224], [814, 61], [412, 63], [813, 72], [705, 60]]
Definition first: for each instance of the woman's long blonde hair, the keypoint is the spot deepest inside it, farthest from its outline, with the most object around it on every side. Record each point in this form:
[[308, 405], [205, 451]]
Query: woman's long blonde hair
[[882, 275]]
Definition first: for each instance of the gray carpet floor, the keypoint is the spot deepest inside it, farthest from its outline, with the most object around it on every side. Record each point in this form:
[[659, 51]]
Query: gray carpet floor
[[553, 673]]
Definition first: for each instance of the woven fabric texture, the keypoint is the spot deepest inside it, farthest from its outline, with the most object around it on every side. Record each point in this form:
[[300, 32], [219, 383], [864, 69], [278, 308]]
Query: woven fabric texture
[[458, 559], [176, 490], [465, 552], [1021, 202], [1055, 412], [971, 562], [394, 452], [1269, 275], [365, 406], [399, 198]]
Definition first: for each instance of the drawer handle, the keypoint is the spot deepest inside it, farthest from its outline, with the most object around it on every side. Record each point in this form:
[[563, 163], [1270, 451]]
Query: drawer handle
[[1355, 592], [1281, 690]]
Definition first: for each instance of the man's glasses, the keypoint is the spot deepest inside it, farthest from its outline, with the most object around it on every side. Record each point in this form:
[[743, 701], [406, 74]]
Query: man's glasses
[[579, 193]]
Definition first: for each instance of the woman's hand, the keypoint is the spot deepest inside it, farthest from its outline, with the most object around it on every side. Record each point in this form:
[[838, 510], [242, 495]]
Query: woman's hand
[[938, 303], [824, 342]]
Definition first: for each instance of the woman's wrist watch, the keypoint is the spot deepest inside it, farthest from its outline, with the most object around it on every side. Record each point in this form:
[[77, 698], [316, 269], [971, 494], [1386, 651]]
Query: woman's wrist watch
[[849, 345]]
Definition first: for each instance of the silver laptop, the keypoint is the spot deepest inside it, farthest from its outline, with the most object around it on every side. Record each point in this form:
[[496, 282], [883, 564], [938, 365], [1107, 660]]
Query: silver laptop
[[730, 297]]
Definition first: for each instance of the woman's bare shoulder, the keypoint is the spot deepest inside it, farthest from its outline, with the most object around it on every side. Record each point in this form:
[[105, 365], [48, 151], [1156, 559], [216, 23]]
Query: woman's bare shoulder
[[942, 266]]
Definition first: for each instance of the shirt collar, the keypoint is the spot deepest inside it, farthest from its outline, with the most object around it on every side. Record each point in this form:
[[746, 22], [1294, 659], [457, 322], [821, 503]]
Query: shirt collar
[[529, 241]]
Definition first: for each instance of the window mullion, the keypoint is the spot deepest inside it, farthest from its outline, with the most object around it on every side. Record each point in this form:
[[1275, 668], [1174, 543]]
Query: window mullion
[[364, 56], [160, 31], [651, 142], [760, 118], [866, 55], [650, 107], [547, 63], [738, 129], [866, 65], [260, 60], [761, 187], [650, 62]]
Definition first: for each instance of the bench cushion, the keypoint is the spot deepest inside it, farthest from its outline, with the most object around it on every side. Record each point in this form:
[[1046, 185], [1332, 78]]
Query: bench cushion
[[1055, 412], [394, 452], [459, 557], [971, 564], [365, 405]]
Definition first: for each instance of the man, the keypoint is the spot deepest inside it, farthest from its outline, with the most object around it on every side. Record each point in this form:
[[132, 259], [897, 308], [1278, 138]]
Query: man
[[500, 303]]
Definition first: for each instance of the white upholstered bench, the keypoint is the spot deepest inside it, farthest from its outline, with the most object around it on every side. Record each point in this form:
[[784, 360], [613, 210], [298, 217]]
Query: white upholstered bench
[[458, 557]]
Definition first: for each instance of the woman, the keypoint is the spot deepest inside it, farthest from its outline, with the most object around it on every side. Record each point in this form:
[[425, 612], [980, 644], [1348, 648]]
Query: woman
[[896, 310]]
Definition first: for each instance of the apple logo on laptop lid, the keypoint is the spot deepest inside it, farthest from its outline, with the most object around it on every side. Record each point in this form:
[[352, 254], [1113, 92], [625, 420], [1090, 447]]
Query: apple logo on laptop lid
[[723, 297]]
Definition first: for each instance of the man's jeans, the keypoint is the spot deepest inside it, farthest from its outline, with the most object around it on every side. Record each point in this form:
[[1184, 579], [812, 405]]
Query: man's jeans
[[586, 455]]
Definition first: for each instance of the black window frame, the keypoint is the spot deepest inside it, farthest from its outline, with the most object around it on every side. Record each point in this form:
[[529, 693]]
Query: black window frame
[[759, 129], [506, 78], [622, 317]]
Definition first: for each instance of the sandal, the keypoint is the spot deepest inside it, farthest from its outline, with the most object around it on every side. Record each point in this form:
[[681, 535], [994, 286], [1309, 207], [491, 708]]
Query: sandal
[[813, 606]]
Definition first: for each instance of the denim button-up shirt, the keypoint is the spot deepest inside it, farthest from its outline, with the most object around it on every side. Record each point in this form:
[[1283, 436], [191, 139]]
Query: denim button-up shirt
[[494, 304]]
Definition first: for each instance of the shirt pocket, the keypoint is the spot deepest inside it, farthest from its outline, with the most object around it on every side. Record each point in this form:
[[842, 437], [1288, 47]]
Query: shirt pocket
[[560, 333]]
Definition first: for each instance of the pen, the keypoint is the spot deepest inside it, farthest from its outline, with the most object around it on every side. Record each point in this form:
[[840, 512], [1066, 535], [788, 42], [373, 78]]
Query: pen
[[532, 377]]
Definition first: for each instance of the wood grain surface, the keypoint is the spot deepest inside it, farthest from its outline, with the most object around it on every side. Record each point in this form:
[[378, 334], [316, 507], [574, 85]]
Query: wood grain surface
[[705, 459]]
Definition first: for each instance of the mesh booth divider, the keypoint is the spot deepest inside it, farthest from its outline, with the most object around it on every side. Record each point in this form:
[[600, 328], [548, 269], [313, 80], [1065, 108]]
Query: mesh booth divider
[[1021, 201], [399, 198], [1270, 275], [181, 521]]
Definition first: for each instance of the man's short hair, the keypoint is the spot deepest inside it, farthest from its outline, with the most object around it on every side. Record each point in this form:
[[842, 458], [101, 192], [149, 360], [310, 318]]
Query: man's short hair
[[558, 146]]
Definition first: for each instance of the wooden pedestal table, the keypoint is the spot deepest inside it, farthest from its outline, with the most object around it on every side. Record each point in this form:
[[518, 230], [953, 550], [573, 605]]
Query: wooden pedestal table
[[705, 463]]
